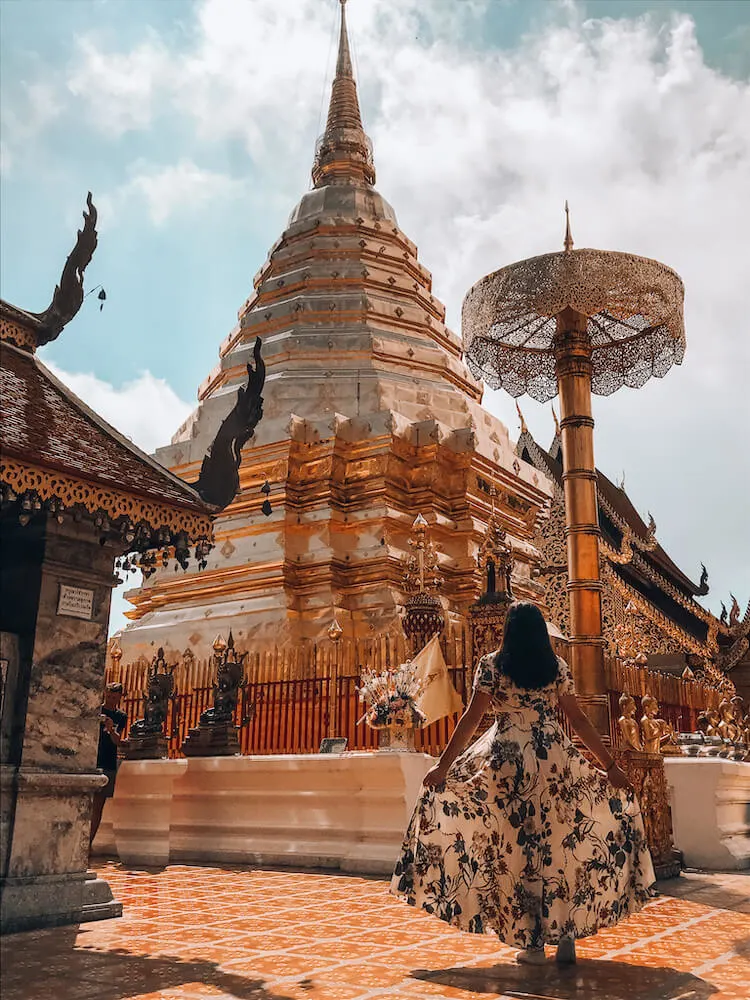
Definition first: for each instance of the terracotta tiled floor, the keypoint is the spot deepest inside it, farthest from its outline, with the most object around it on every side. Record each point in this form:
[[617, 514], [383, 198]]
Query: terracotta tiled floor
[[191, 933]]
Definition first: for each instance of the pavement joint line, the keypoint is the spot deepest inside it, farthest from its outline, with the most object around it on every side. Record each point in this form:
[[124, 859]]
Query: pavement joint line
[[641, 942], [713, 962], [339, 964]]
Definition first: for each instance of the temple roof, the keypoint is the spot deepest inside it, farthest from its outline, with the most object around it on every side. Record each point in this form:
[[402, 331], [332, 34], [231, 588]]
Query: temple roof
[[47, 432], [617, 500]]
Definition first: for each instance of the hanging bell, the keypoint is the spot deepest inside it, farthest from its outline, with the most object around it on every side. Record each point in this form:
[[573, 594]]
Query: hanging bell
[[266, 508]]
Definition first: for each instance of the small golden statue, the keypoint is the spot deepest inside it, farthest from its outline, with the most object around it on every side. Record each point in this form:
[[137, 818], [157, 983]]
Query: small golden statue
[[746, 729], [728, 728], [658, 735], [713, 722], [738, 710], [629, 731]]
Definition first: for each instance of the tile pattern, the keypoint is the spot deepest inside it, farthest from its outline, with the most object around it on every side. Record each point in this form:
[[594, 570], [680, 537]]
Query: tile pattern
[[191, 933]]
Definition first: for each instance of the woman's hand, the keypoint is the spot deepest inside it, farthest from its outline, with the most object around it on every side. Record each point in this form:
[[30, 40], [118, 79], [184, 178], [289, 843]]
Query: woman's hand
[[435, 776], [618, 778]]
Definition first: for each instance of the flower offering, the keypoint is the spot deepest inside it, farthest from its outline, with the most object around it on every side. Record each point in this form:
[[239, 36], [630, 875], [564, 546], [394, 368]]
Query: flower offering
[[391, 698]]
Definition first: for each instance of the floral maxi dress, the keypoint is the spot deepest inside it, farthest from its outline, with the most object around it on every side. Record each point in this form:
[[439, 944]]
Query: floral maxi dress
[[525, 838]]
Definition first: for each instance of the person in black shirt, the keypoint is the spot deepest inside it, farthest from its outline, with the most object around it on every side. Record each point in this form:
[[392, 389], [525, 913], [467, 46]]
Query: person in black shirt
[[111, 728]]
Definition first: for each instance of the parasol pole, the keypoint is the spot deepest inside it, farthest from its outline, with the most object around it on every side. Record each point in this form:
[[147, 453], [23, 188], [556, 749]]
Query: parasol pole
[[573, 367]]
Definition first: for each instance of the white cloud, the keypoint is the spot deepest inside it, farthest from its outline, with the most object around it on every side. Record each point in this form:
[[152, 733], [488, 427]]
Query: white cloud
[[146, 410], [178, 188], [26, 114], [119, 87], [477, 150]]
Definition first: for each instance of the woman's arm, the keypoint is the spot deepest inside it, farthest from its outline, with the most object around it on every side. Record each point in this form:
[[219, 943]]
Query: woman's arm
[[465, 729], [582, 725]]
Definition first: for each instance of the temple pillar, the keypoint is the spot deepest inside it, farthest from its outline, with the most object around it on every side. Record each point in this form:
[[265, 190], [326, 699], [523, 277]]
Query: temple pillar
[[55, 639]]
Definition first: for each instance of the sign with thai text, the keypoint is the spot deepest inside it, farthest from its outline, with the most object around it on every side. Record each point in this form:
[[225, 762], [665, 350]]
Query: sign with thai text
[[76, 602], [335, 744]]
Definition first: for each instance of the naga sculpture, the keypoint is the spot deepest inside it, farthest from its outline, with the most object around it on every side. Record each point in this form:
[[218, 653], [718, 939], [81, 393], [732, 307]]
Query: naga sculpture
[[219, 480], [68, 295], [734, 613]]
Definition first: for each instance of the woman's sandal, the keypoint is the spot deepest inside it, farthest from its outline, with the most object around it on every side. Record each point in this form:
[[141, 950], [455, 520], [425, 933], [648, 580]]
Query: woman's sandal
[[566, 951], [531, 956]]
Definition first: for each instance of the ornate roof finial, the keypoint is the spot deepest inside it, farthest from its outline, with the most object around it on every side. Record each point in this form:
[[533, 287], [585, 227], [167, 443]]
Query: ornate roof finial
[[31, 330], [557, 422], [568, 242], [421, 568], [343, 153], [524, 428]]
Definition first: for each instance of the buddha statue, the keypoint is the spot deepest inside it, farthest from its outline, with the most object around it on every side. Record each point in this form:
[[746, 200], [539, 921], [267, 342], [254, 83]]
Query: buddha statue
[[631, 739], [713, 722], [728, 728], [658, 736]]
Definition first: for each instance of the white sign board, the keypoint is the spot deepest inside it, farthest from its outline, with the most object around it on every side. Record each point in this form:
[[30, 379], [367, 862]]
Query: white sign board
[[76, 602]]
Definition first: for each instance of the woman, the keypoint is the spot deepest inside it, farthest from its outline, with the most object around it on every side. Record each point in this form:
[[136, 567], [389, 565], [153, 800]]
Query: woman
[[519, 834]]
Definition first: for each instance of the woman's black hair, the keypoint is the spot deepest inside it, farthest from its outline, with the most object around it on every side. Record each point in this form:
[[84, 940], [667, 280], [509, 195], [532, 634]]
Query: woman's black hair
[[526, 655]]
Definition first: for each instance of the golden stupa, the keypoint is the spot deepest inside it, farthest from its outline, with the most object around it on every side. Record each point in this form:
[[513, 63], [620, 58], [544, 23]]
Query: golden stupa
[[370, 418]]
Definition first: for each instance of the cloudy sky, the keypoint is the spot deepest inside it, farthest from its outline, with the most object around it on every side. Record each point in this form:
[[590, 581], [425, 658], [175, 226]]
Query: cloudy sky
[[193, 123]]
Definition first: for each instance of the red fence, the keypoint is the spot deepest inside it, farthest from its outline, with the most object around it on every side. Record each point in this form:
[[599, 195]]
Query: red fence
[[295, 698], [293, 716]]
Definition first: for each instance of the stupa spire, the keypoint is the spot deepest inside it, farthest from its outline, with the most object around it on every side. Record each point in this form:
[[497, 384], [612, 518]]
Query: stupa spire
[[343, 154], [568, 241]]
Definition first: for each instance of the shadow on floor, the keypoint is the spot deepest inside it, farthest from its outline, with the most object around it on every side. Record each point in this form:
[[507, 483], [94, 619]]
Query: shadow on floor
[[710, 891], [49, 965], [588, 980]]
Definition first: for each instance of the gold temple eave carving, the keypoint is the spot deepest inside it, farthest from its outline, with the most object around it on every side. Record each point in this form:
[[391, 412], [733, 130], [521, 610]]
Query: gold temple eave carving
[[72, 491], [665, 624]]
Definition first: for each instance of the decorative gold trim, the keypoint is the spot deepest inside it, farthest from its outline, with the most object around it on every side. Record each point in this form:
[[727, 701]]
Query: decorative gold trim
[[662, 622], [16, 334], [688, 603], [94, 497]]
